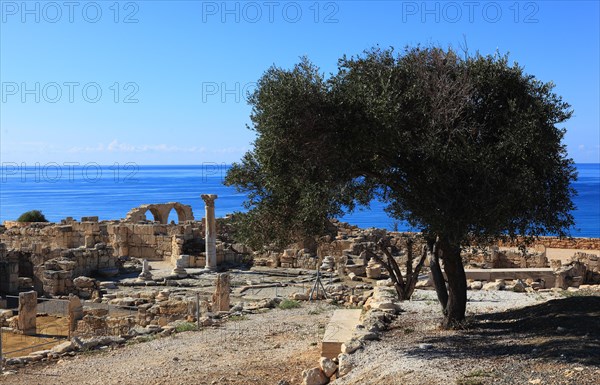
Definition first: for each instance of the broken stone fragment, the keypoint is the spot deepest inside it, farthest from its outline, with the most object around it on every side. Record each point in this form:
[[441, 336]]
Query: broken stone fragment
[[519, 286], [351, 346], [328, 366], [84, 282], [499, 284], [345, 364], [300, 297], [65, 347], [314, 376]]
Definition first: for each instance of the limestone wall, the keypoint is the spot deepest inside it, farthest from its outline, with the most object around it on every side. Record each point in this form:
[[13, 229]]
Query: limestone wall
[[51, 255], [9, 271], [348, 246], [493, 258], [592, 264], [42, 237], [562, 243]]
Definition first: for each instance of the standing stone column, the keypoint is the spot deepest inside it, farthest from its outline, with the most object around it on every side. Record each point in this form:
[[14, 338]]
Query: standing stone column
[[26, 322], [145, 275], [75, 312], [221, 295], [211, 231]]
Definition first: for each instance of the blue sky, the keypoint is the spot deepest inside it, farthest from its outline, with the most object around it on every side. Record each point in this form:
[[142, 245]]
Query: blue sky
[[163, 82]]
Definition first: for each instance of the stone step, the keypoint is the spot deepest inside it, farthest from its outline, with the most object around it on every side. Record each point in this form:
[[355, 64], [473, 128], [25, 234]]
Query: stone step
[[339, 330]]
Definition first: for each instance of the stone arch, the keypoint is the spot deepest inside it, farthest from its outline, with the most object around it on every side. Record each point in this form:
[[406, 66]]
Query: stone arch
[[184, 212], [160, 212], [156, 213]]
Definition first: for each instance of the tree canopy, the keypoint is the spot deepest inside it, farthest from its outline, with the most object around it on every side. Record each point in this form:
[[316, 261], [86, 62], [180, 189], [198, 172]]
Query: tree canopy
[[32, 216], [460, 147]]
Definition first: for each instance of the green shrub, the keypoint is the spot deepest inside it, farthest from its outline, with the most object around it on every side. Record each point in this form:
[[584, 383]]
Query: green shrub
[[32, 216], [474, 378], [287, 304], [186, 327]]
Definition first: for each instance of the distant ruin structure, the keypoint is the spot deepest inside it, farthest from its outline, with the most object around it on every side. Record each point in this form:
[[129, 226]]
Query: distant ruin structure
[[160, 212], [47, 257]]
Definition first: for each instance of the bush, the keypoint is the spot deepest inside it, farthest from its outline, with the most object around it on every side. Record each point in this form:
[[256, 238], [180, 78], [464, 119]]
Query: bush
[[186, 327], [32, 216], [287, 304]]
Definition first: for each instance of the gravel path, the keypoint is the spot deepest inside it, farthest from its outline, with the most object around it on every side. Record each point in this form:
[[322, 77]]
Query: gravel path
[[263, 349], [278, 345]]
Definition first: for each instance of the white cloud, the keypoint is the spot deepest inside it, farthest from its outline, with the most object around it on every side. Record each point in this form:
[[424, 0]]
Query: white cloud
[[118, 147]]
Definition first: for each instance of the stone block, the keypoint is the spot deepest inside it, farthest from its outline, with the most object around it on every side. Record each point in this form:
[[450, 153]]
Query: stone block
[[221, 294], [345, 364], [27, 312], [327, 366], [314, 376], [338, 331]]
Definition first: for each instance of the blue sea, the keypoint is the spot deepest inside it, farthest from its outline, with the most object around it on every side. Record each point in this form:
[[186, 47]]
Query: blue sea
[[109, 192]]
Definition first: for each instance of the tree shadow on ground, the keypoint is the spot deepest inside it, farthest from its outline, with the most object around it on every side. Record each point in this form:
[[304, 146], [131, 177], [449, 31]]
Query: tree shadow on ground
[[566, 330]]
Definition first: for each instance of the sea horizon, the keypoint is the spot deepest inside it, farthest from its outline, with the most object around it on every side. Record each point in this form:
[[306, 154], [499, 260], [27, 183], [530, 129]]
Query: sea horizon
[[110, 191]]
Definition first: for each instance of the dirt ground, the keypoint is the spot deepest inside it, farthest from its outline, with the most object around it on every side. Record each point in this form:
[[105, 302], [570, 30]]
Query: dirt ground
[[510, 338], [49, 329], [260, 349]]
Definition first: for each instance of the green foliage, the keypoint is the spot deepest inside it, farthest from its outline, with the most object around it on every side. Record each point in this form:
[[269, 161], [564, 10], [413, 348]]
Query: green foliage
[[316, 311], [461, 148], [186, 327], [287, 304], [578, 293], [475, 377], [32, 216]]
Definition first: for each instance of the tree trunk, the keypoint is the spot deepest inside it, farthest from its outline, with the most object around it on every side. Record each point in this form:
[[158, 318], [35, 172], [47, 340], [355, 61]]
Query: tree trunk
[[457, 286], [438, 278], [413, 278]]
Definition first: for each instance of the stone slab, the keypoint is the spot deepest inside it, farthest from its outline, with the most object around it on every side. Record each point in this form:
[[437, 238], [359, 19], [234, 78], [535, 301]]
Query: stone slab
[[339, 330], [546, 274], [564, 255]]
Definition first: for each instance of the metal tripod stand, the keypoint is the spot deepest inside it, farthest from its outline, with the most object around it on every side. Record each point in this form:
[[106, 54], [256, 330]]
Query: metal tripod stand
[[318, 285]]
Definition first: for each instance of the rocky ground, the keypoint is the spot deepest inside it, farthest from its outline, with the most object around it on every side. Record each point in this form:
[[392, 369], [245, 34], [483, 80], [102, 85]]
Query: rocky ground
[[511, 338]]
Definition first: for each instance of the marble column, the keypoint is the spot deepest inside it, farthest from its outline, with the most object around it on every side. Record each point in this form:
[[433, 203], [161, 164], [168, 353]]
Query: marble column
[[211, 231]]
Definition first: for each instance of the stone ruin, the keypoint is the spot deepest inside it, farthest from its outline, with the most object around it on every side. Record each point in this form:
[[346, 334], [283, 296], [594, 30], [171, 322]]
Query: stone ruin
[[160, 212], [49, 257], [344, 251]]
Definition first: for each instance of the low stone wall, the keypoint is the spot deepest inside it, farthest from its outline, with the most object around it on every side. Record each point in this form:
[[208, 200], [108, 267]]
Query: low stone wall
[[51, 255], [592, 264], [561, 243], [154, 242], [493, 258]]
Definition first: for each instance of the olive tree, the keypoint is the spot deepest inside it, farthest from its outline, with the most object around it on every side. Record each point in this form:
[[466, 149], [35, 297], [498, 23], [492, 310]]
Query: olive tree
[[464, 148]]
